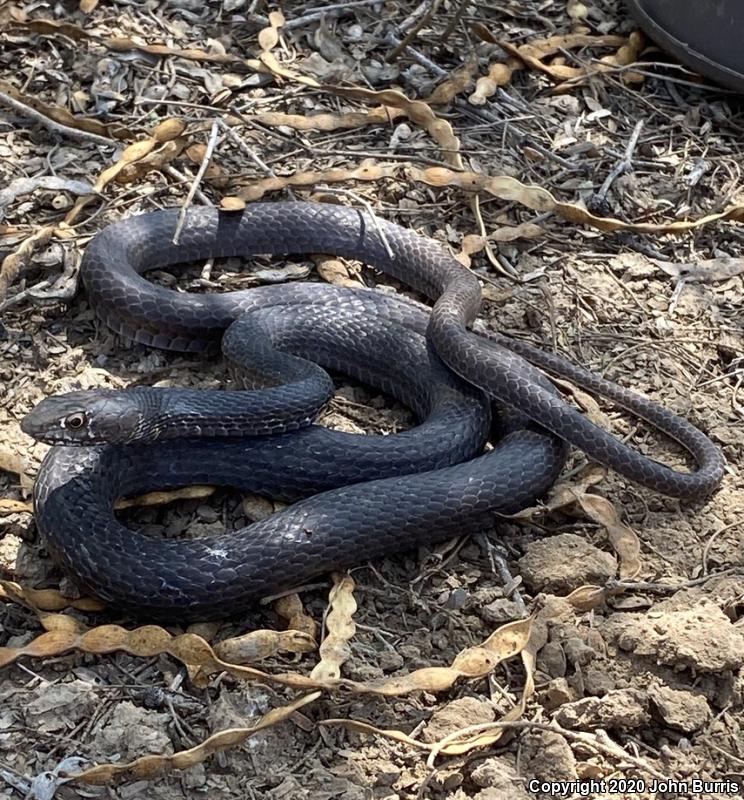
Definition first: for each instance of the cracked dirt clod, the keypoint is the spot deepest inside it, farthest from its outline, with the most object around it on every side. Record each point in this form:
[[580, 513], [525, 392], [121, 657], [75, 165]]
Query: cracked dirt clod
[[547, 756], [132, 732], [57, 706], [562, 563], [684, 711], [455, 715], [701, 638], [499, 780], [621, 709]]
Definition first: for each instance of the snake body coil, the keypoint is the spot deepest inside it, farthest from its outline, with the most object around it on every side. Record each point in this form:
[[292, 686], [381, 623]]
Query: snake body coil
[[407, 489]]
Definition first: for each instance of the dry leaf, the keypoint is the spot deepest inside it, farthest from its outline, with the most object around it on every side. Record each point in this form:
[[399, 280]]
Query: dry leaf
[[368, 171], [13, 263], [232, 204], [586, 598], [150, 766], [334, 649], [336, 272], [14, 506], [45, 599], [64, 117], [260, 644], [623, 539], [707, 271], [564, 493], [417, 111], [269, 37], [470, 245], [290, 608], [498, 75], [381, 115], [457, 82], [535, 52], [526, 230]]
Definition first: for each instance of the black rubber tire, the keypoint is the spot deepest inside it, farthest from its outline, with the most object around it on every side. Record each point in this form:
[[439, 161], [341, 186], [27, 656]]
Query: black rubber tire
[[704, 36]]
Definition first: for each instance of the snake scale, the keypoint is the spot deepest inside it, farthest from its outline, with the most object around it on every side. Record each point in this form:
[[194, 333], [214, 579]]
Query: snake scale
[[370, 495]]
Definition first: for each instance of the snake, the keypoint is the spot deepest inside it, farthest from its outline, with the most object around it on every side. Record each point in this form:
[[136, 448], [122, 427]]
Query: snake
[[355, 497]]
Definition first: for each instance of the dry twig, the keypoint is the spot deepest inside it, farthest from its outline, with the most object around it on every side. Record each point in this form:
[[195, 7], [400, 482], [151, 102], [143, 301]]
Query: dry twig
[[57, 127], [197, 179]]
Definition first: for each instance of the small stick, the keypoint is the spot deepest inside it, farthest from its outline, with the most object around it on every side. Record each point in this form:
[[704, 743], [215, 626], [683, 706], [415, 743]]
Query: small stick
[[249, 152], [455, 21], [413, 33], [197, 180], [623, 166], [392, 39], [368, 208], [181, 178], [598, 740], [613, 586], [499, 565], [315, 16], [712, 538], [308, 587], [57, 127]]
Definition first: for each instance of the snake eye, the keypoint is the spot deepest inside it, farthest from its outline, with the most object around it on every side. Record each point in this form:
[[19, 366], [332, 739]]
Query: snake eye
[[75, 421]]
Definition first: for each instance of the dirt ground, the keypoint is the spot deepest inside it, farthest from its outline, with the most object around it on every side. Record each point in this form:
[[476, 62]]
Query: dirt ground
[[646, 685]]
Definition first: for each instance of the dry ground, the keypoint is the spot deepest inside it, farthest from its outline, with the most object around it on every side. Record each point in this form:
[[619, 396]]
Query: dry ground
[[658, 667]]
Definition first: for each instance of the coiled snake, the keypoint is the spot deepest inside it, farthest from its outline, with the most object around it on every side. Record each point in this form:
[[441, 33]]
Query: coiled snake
[[379, 494]]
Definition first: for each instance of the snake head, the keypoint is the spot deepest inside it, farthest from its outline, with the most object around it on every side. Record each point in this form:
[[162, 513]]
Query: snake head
[[97, 416]]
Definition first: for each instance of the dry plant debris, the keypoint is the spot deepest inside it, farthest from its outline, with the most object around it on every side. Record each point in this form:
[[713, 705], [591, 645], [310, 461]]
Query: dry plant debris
[[594, 189]]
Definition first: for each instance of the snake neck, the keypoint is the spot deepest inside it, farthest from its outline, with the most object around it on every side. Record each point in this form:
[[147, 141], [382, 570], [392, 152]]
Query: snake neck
[[168, 413]]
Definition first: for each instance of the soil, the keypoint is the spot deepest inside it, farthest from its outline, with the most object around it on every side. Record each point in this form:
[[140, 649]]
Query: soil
[[655, 671]]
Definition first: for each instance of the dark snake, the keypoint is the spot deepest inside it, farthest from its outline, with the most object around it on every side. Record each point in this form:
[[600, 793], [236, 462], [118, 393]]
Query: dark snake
[[378, 494]]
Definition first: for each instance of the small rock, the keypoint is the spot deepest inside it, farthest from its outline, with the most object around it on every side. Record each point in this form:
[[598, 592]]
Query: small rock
[[207, 513], [410, 652], [622, 709], [685, 711], [201, 530], [578, 653], [499, 778], [562, 563], [457, 598], [132, 791], [237, 708], [499, 611], [364, 672], [552, 660], [452, 782], [257, 508], [455, 715], [556, 694], [387, 777], [195, 777], [10, 545], [390, 660], [597, 681]]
